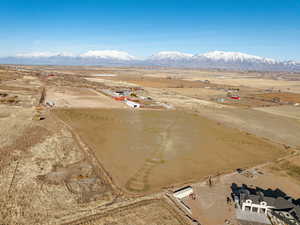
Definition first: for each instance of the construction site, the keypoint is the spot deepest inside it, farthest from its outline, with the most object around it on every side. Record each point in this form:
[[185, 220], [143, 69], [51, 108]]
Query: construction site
[[116, 146]]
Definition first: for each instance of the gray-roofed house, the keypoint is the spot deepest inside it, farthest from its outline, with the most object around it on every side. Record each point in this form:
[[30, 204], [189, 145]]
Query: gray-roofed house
[[286, 214], [260, 206]]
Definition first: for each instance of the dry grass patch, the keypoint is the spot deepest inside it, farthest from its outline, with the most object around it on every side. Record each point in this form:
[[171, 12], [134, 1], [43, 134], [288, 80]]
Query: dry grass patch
[[283, 97], [289, 167], [145, 212]]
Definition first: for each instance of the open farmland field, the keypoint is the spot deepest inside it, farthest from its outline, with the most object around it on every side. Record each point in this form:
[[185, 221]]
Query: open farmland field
[[145, 151], [174, 78], [286, 111], [80, 97], [154, 82], [288, 168], [111, 83], [197, 92], [253, 82], [284, 97]]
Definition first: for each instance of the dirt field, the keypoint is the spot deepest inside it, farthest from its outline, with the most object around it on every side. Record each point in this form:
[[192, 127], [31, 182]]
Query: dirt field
[[147, 150], [111, 83], [273, 127], [288, 168], [285, 111], [204, 93], [173, 78], [147, 212], [254, 82], [80, 98], [279, 129], [283, 97], [155, 82]]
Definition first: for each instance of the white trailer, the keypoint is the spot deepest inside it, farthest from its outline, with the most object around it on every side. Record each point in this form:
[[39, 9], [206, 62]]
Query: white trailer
[[184, 192], [132, 104]]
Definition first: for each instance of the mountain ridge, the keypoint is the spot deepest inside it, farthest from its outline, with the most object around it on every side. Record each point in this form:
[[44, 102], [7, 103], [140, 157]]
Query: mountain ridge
[[213, 59]]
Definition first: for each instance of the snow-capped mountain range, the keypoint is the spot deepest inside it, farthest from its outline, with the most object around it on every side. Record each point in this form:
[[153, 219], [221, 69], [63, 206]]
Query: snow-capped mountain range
[[222, 60], [214, 59], [108, 54], [235, 56], [170, 56]]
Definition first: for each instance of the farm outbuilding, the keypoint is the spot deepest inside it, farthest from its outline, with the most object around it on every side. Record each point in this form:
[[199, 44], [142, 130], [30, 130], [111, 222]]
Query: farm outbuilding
[[132, 104], [121, 98], [184, 192]]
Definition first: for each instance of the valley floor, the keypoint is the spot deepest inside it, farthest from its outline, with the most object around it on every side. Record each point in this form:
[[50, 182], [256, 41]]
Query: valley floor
[[72, 152]]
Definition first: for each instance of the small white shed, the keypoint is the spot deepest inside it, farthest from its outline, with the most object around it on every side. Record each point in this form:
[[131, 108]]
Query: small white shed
[[184, 192], [132, 104]]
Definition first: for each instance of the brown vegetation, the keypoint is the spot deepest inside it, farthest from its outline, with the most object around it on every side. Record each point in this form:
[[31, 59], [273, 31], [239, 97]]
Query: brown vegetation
[[146, 212]]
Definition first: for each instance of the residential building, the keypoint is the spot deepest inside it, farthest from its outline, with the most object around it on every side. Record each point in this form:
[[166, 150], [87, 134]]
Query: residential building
[[257, 205]]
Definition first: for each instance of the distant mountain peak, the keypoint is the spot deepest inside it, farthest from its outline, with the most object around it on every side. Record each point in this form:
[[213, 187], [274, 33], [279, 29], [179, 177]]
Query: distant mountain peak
[[235, 56], [170, 55], [108, 54], [44, 54], [209, 60]]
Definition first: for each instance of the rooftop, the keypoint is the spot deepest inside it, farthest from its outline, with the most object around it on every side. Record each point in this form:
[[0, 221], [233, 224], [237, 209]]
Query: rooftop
[[275, 198]]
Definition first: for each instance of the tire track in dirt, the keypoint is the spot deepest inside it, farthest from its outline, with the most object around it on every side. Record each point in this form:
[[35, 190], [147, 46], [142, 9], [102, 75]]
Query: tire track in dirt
[[92, 219], [139, 182]]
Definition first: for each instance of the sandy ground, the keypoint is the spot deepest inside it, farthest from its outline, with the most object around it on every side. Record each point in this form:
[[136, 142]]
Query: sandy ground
[[147, 150], [80, 98]]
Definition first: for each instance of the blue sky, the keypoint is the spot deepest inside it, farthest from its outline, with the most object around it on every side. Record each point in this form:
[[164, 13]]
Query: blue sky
[[266, 28]]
